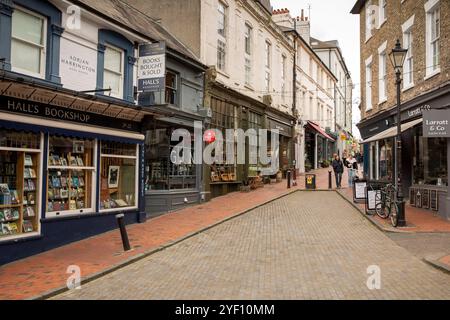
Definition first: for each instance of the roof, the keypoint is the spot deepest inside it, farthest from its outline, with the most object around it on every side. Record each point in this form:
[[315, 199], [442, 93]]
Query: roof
[[266, 4], [131, 18], [324, 44], [358, 6]]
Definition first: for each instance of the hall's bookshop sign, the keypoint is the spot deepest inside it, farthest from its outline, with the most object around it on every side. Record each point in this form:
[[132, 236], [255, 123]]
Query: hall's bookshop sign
[[31, 108], [436, 123], [152, 67]]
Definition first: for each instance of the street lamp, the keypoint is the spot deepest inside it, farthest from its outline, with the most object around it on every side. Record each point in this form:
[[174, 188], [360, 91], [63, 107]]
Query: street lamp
[[397, 57]]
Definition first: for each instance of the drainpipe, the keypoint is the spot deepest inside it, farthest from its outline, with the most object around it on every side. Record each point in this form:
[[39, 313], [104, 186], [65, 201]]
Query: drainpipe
[[294, 87]]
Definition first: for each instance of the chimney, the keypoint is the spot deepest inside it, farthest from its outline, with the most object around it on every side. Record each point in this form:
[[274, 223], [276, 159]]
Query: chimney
[[304, 27], [282, 17]]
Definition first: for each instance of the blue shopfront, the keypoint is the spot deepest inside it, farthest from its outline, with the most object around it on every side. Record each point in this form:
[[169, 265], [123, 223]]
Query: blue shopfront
[[68, 164]]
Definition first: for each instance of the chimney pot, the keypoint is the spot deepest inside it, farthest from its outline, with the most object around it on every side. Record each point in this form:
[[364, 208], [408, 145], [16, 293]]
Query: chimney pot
[[303, 15]]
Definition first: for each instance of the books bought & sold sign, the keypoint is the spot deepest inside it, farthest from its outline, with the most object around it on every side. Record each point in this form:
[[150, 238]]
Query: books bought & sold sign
[[152, 67]]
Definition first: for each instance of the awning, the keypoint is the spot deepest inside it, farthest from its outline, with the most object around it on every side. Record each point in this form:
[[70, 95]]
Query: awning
[[392, 132], [320, 131]]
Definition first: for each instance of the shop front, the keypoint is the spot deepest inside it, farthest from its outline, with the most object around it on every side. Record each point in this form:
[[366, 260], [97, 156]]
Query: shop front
[[425, 160], [319, 146], [169, 186], [284, 125], [69, 163]]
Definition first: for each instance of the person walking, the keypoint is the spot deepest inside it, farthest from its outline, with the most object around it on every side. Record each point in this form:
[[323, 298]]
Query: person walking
[[338, 168], [352, 166]]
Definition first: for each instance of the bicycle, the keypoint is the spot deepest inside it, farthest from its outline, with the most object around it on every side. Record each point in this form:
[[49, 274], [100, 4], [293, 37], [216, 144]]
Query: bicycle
[[386, 204]]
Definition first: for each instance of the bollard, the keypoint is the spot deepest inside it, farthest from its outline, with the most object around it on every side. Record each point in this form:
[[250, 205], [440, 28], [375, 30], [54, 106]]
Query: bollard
[[288, 176], [123, 232], [294, 179], [330, 182]]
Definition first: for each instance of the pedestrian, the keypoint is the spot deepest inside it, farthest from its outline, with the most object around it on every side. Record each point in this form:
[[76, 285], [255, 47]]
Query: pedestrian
[[352, 166], [338, 168]]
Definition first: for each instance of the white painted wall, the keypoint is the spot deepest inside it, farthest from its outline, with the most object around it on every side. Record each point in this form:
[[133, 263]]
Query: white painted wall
[[234, 75]]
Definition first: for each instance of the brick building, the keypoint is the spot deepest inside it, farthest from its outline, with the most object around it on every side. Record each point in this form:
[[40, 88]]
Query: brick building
[[423, 28]]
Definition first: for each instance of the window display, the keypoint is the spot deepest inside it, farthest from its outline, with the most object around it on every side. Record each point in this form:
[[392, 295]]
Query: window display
[[386, 159], [118, 185], [224, 116], [430, 160], [19, 183], [161, 172], [70, 174]]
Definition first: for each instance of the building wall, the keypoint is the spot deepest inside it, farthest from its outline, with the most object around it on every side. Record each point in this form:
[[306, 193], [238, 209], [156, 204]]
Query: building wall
[[398, 12], [179, 17], [263, 29]]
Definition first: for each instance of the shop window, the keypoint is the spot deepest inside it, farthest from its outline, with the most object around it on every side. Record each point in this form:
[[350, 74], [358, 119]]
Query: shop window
[[255, 122], [113, 71], [161, 172], [71, 165], [20, 167], [28, 43], [386, 159], [118, 185], [430, 160], [224, 116]]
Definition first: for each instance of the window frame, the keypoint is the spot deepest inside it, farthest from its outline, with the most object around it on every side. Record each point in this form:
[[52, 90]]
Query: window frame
[[382, 73], [174, 89], [121, 94], [40, 214], [382, 13], [221, 55], [136, 188], [224, 16], [71, 213], [248, 39], [43, 48], [431, 69], [369, 85]]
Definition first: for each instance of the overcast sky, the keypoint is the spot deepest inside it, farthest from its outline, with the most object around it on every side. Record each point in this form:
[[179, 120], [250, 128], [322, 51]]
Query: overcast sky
[[331, 20]]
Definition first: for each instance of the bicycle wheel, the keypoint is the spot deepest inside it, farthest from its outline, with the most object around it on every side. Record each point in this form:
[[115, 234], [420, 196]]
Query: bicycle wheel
[[382, 210], [394, 214]]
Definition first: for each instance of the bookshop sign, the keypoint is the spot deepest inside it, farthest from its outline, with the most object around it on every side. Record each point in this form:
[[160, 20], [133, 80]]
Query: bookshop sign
[[32, 108], [152, 67]]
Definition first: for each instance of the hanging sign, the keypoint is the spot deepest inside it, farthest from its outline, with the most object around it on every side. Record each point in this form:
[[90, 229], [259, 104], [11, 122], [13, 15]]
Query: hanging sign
[[152, 67], [436, 123]]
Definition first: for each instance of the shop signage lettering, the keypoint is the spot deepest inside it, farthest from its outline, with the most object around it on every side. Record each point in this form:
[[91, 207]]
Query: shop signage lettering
[[32, 108], [152, 67], [78, 66], [436, 123]]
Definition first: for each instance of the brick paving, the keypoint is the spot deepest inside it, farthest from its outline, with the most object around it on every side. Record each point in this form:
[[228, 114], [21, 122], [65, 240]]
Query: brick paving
[[39, 274], [308, 245]]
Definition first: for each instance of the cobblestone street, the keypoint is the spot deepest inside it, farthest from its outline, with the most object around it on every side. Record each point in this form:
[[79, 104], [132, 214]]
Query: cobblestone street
[[309, 245]]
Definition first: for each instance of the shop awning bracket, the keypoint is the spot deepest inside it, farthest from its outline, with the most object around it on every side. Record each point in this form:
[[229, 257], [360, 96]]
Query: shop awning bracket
[[137, 114], [32, 93], [53, 99], [4, 91]]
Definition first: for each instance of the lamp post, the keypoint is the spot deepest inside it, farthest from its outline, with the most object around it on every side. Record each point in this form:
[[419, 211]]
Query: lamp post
[[397, 57]]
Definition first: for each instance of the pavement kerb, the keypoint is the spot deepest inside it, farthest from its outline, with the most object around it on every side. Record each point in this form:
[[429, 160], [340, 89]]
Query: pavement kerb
[[438, 265], [376, 224], [131, 260]]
